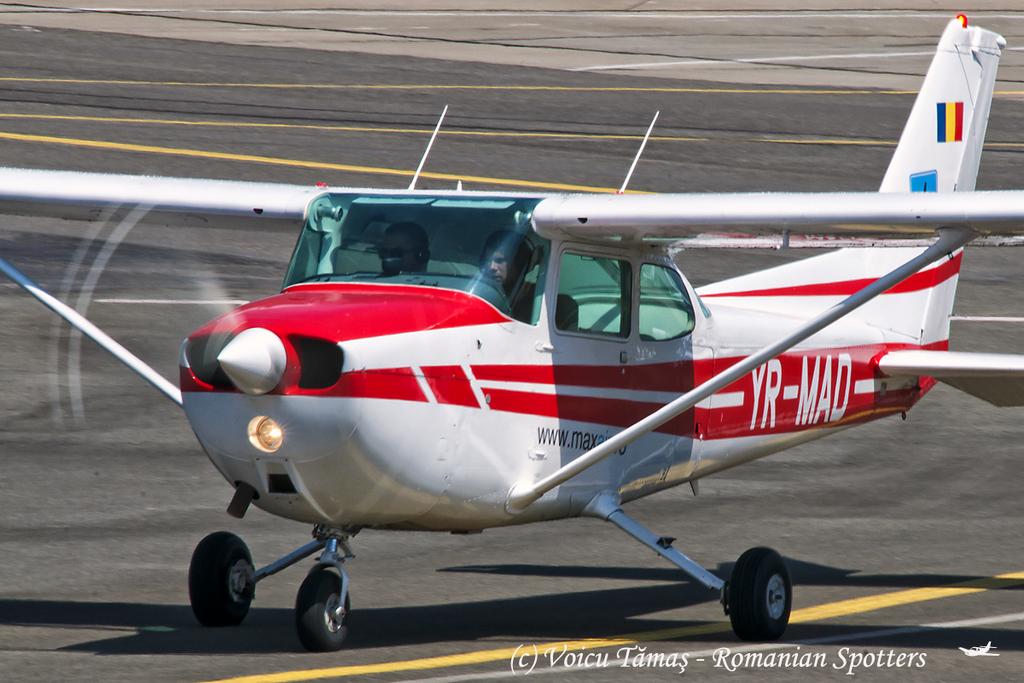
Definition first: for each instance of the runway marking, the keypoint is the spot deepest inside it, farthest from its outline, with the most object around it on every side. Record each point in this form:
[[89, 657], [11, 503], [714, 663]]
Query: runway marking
[[298, 163], [161, 302], [345, 129], [828, 141], [828, 610], [755, 60], [759, 60]]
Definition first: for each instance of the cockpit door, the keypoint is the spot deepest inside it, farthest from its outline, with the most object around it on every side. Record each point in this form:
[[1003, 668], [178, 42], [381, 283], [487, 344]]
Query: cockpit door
[[668, 347]]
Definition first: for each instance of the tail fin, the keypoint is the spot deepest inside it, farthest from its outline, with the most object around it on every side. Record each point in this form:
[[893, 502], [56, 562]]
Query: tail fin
[[940, 148]]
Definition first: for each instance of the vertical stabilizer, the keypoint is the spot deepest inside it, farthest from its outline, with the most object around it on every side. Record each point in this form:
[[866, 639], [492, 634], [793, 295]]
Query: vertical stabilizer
[[940, 148]]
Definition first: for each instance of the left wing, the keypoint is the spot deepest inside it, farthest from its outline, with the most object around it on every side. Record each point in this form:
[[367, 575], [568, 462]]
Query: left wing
[[994, 377]]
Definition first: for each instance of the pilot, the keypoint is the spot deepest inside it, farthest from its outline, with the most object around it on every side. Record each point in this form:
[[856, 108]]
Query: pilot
[[405, 249], [504, 261]]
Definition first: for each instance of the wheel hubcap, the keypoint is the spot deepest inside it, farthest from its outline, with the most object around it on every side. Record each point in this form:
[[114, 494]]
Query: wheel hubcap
[[776, 596], [334, 614], [238, 580]]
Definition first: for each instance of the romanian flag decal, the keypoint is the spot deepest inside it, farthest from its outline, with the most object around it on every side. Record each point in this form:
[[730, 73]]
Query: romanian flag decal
[[950, 121]]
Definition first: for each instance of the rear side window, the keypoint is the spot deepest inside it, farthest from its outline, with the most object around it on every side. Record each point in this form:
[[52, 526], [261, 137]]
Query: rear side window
[[665, 308], [593, 295]]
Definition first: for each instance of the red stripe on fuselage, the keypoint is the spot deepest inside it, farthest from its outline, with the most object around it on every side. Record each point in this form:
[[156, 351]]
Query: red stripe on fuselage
[[399, 384], [450, 385], [767, 408], [915, 283]]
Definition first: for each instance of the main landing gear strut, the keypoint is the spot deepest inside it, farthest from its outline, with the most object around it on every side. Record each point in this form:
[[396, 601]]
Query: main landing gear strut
[[222, 583], [758, 596]]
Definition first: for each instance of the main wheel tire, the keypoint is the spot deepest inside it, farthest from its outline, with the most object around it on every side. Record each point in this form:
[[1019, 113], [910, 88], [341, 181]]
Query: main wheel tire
[[220, 580], [320, 617], [760, 595]]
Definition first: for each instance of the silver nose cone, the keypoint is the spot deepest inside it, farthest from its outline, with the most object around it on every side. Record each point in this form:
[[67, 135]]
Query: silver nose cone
[[254, 360]]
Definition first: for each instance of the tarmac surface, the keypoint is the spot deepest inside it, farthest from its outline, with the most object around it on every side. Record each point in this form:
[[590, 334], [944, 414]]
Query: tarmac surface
[[901, 536]]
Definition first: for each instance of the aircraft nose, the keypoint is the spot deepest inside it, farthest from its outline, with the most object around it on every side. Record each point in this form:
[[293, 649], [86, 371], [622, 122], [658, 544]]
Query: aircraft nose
[[254, 360]]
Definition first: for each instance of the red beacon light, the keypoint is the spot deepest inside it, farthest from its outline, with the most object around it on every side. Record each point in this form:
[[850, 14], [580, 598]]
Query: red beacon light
[[962, 18], [321, 184]]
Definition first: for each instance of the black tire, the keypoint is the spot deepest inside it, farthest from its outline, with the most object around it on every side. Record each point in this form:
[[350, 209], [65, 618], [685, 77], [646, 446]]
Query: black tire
[[320, 626], [759, 595], [220, 580]]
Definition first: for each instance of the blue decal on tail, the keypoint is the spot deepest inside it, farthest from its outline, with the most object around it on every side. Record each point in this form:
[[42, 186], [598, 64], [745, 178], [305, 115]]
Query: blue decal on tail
[[926, 181]]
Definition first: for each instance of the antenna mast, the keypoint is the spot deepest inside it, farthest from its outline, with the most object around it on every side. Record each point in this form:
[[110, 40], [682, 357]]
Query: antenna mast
[[426, 152], [640, 151]]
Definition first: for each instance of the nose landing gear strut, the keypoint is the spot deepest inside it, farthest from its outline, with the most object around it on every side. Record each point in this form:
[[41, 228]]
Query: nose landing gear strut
[[222, 583]]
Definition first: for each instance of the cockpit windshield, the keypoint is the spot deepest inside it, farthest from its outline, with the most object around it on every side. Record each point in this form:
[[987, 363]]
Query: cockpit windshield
[[480, 245]]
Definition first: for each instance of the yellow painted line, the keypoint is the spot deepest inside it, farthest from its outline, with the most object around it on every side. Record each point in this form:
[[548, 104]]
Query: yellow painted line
[[867, 143], [828, 610], [345, 129], [299, 163], [828, 141], [871, 603]]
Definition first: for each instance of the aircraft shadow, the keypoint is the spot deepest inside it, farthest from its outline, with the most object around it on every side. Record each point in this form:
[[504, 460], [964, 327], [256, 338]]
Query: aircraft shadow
[[157, 629], [171, 629], [802, 573]]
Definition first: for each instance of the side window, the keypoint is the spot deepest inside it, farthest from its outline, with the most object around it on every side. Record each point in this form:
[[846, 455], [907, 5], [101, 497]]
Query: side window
[[593, 295], [665, 308]]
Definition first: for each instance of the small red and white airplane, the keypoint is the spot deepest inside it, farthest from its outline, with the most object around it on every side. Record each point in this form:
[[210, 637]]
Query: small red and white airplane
[[454, 361]]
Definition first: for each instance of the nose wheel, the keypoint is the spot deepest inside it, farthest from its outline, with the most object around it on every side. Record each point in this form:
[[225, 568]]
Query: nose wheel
[[321, 611]]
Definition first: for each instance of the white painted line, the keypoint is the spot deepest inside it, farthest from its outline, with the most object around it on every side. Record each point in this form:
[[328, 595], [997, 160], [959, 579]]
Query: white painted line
[[162, 302], [987, 318], [864, 386], [757, 60], [790, 392]]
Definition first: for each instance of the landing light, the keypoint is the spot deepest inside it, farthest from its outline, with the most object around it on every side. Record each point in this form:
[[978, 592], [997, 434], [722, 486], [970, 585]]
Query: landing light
[[265, 434]]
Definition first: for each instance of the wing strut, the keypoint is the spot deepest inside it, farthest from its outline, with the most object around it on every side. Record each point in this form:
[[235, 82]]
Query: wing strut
[[523, 494], [82, 324]]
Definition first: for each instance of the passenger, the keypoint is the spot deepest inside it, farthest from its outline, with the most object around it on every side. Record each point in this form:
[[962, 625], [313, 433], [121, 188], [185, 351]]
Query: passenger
[[405, 249], [504, 261], [505, 257]]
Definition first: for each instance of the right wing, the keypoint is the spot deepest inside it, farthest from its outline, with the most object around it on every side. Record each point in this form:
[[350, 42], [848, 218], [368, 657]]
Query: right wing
[[33, 191], [994, 377]]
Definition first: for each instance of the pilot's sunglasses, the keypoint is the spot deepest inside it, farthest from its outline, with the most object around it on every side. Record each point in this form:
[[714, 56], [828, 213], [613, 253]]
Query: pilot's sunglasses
[[394, 252]]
